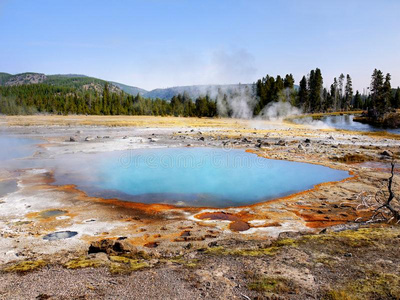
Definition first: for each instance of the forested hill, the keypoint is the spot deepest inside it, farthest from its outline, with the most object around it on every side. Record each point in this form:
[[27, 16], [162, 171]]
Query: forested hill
[[75, 81], [86, 83], [31, 93]]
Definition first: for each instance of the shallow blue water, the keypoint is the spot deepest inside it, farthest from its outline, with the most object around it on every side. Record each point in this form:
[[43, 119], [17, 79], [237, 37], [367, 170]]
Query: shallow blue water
[[14, 147], [192, 176], [346, 122]]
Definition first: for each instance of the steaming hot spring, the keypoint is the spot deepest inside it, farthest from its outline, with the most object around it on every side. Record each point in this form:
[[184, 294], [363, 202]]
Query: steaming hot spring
[[190, 176]]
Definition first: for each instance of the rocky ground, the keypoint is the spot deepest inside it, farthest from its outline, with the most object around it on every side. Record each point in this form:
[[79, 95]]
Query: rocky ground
[[310, 245]]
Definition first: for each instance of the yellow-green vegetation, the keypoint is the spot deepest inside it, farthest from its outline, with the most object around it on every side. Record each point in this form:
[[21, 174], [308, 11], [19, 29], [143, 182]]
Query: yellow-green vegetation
[[125, 265], [220, 250], [353, 238], [121, 259], [384, 134], [327, 260], [276, 285], [19, 223], [269, 251], [25, 266], [375, 286], [83, 262], [192, 263], [286, 242], [338, 241]]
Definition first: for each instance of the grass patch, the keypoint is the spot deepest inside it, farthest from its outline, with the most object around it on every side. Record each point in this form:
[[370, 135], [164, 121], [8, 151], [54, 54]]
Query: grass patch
[[181, 261], [375, 286], [276, 285], [20, 223], [83, 262], [220, 250], [127, 268], [121, 259], [286, 242], [125, 265], [362, 237], [268, 251], [26, 266], [326, 260]]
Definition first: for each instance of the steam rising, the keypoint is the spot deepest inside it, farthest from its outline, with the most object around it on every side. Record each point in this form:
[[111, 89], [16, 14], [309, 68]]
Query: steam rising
[[240, 103], [278, 111]]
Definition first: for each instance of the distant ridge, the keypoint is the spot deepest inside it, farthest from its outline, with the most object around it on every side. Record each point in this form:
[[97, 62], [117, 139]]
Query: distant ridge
[[194, 91], [84, 82]]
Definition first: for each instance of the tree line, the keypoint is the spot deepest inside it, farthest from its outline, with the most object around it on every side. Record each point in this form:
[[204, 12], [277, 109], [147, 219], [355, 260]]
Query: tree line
[[44, 98], [310, 96]]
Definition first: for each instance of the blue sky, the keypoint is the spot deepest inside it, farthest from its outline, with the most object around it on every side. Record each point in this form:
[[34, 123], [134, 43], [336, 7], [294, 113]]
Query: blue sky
[[163, 43]]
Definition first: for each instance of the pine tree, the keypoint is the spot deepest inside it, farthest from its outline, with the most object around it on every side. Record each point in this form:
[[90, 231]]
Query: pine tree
[[316, 89], [358, 104], [288, 81], [340, 88], [377, 97], [348, 92], [334, 95], [387, 92], [396, 99], [303, 93]]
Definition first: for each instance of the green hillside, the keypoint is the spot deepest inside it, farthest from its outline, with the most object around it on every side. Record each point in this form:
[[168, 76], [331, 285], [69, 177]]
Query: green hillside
[[75, 81]]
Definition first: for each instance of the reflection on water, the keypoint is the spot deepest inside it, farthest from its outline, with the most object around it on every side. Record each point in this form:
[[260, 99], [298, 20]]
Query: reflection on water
[[60, 235], [346, 122], [191, 176]]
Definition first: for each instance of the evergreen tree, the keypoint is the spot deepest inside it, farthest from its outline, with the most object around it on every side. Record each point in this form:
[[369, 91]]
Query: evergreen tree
[[396, 99], [316, 89], [358, 104], [387, 92], [288, 82], [348, 93], [303, 93], [340, 89], [377, 95]]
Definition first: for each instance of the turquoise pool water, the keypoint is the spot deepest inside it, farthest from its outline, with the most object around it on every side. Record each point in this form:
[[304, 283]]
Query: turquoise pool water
[[191, 176]]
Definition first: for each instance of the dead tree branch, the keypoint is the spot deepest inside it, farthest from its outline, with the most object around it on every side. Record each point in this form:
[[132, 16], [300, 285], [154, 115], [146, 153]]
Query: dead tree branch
[[385, 207]]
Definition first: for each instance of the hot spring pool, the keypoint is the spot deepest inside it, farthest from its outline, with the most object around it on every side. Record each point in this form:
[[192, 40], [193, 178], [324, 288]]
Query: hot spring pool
[[190, 176], [15, 147]]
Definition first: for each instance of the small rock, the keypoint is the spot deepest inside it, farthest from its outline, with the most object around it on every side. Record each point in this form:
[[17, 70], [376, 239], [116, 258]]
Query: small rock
[[101, 256], [72, 139], [386, 153], [109, 246], [281, 143]]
